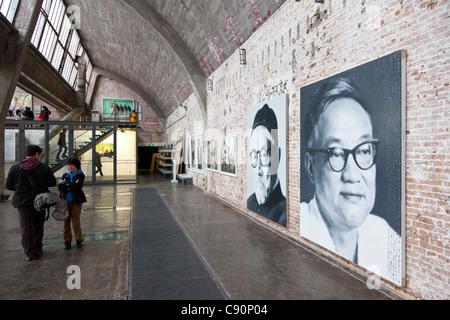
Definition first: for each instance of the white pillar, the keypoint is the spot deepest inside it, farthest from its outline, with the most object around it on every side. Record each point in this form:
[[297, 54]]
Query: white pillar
[[174, 168]]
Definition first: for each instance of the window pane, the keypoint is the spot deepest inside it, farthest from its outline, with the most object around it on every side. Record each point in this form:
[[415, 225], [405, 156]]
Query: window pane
[[67, 69], [73, 76], [12, 10], [57, 56], [51, 12], [74, 44], [47, 49], [56, 14], [64, 31], [38, 31], [8, 8], [59, 16], [45, 38], [51, 38], [46, 5], [51, 47], [5, 7]]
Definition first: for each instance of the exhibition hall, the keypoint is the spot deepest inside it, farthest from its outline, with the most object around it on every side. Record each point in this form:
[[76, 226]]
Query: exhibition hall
[[244, 150]]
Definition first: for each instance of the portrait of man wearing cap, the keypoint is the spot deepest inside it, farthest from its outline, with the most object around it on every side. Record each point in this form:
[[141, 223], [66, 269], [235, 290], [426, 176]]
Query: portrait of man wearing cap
[[264, 155]]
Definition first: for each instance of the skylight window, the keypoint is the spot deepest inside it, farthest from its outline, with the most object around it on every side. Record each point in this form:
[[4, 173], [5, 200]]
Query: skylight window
[[58, 42], [8, 8]]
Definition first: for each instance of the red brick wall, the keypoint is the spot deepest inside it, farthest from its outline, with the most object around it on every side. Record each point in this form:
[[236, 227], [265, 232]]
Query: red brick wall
[[304, 42], [150, 128]]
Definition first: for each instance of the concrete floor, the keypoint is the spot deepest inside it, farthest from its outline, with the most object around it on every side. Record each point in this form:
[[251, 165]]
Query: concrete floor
[[250, 261]]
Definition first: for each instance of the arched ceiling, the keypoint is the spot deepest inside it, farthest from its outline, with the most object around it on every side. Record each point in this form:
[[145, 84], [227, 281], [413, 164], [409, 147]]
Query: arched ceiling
[[167, 48]]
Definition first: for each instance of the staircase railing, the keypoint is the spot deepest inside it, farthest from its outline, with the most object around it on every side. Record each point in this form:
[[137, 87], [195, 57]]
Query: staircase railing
[[85, 147]]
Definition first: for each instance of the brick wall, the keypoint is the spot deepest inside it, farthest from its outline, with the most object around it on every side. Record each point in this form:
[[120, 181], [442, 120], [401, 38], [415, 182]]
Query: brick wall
[[304, 42], [150, 128]]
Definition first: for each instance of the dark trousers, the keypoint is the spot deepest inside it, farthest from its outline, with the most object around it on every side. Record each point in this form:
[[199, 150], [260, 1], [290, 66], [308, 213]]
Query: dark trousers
[[59, 151], [99, 169], [32, 228]]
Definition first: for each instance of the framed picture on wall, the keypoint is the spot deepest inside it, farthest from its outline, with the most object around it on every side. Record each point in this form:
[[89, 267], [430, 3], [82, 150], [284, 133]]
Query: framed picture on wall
[[267, 159], [187, 153], [228, 153], [212, 155], [117, 109], [20, 102], [193, 152], [199, 153], [352, 165]]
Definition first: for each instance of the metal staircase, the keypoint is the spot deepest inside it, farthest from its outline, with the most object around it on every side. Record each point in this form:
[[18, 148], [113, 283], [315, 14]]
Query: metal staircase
[[82, 148]]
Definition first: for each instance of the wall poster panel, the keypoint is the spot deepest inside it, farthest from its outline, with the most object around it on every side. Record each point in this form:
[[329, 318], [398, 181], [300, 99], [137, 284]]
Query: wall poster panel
[[117, 109], [228, 153], [199, 153], [353, 167], [193, 152], [212, 155], [20, 101], [267, 159], [187, 153]]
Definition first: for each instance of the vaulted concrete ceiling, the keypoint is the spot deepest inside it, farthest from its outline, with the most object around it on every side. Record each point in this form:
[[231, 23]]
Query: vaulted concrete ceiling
[[167, 48]]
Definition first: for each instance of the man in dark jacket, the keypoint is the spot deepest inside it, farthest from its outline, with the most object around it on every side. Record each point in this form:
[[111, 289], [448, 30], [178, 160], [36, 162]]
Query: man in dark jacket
[[28, 114], [62, 145], [20, 179]]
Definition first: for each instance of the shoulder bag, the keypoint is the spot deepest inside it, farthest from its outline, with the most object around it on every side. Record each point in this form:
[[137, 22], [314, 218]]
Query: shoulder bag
[[45, 200], [61, 211]]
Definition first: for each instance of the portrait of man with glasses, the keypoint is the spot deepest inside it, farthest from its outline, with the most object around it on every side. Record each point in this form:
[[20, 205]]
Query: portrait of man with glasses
[[339, 156], [266, 161]]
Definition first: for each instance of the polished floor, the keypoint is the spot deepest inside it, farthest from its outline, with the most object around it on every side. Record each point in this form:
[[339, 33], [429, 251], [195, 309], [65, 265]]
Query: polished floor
[[249, 261]]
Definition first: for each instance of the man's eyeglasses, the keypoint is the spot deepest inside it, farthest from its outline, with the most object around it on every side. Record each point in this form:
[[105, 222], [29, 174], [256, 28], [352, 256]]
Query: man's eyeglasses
[[263, 155], [364, 154]]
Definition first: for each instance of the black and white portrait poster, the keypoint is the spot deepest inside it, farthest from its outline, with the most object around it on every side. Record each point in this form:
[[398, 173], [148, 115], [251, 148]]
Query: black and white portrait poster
[[352, 165], [267, 159]]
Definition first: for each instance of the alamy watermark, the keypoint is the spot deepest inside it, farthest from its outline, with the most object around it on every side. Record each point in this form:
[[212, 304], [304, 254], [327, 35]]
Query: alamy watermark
[[74, 278], [74, 15]]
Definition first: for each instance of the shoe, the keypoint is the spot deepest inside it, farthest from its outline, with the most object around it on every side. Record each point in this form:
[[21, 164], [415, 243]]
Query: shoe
[[67, 246], [29, 258], [79, 244]]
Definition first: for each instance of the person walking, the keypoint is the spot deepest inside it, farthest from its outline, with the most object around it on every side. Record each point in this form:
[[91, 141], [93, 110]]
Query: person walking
[[71, 185], [20, 179], [98, 163], [62, 145]]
